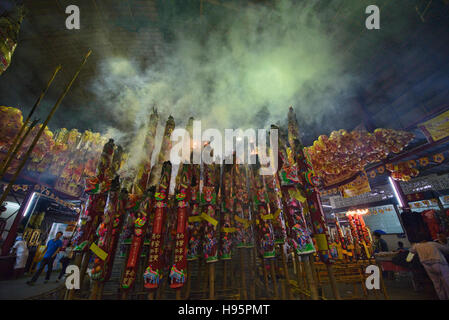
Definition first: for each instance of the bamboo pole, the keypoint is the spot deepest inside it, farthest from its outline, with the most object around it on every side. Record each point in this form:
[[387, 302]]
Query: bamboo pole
[[232, 267], [152, 295], [94, 291], [100, 291], [273, 279], [160, 291], [205, 278], [333, 281], [225, 275], [189, 280], [283, 289], [310, 279], [41, 130], [12, 151], [315, 274], [286, 275], [84, 265], [299, 278], [212, 281], [252, 287], [265, 277], [243, 276]]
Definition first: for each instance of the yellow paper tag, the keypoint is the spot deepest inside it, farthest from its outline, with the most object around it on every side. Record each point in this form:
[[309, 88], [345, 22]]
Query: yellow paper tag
[[277, 213], [321, 242], [245, 222], [228, 230], [297, 195], [209, 219], [98, 251], [195, 219]]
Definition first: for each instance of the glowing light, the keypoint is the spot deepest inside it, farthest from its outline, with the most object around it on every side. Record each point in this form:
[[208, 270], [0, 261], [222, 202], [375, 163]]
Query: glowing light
[[357, 212], [28, 205], [396, 193]]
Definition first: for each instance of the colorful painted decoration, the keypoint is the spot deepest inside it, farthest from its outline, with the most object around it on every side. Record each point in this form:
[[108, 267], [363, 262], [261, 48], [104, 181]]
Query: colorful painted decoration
[[343, 153]]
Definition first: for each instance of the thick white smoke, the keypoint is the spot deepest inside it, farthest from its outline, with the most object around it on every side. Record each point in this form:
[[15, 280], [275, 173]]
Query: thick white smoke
[[245, 73]]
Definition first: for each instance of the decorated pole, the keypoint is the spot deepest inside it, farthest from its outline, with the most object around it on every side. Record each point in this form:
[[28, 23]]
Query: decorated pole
[[280, 231], [97, 212], [227, 224], [101, 248], [141, 204], [194, 223], [144, 169], [342, 246], [96, 187], [210, 217], [355, 236], [310, 182], [263, 227], [19, 139], [159, 177], [365, 236], [243, 221], [178, 271], [298, 231], [153, 272]]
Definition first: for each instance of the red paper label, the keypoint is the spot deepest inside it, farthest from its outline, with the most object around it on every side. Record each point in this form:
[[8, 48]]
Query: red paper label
[[134, 252]]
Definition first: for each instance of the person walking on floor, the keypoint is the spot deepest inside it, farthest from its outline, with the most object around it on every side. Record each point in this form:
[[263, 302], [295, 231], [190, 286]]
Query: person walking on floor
[[21, 250], [430, 254], [53, 247], [65, 259]]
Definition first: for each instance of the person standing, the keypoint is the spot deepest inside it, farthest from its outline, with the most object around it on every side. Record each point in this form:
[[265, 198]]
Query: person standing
[[380, 245], [21, 250], [430, 254], [67, 254], [53, 247]]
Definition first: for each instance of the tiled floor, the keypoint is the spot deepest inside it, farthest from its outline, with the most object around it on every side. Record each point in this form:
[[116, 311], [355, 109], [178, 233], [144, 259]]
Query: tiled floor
[[400, 289], [19, 290]]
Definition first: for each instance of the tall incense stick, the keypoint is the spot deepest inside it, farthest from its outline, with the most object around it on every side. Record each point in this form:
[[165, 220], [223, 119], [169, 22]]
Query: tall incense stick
[[16, 144], [41, 130]]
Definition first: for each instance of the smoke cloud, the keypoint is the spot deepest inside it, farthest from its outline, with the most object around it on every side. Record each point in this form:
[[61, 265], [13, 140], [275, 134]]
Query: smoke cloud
[[244, 73]]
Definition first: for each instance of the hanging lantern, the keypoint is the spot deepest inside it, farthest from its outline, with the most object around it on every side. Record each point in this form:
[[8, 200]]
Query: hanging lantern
[[424, 161], [438, 158]]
